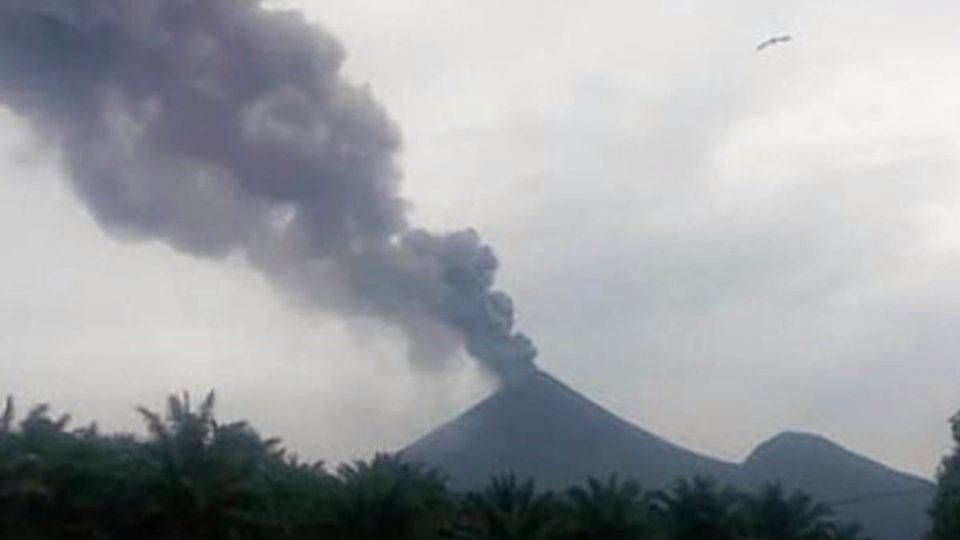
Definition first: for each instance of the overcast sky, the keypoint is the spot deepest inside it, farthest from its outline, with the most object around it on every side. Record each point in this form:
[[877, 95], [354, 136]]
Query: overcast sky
[[714, 243]]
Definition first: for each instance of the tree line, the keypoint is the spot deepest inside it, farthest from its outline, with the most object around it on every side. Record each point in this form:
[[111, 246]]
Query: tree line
[[194, 478]]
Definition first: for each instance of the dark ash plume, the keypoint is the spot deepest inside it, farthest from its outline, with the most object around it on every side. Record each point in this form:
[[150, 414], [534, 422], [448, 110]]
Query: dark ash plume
[[221, 128]]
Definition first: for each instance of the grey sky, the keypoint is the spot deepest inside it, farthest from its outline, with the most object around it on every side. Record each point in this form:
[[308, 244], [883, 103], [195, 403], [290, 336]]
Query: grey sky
[[714, 243]]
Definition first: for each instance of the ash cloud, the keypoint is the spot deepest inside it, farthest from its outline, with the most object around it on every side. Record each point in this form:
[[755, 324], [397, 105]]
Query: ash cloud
[[221, 128]]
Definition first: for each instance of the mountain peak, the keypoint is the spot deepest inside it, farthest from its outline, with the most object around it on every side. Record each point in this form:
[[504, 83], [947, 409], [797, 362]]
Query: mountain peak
[[795, 441], [812, 453], [538, 426]]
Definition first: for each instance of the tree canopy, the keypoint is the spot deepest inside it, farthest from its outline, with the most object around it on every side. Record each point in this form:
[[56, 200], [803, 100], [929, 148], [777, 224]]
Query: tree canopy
[[946, 503], [193, 478]]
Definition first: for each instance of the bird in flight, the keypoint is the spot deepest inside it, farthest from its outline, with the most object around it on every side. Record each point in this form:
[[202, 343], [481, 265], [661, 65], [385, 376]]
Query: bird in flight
[[776, 40]]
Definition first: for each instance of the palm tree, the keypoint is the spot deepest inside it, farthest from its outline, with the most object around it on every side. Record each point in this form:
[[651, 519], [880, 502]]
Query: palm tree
[[63, 481], [772, 515], [697, 510], [21, 484], [39, 430], [846, 532], [298, 496], [509, 510], [6, 419], [611, 510], [388, 499], [945, 510], [205, 474]]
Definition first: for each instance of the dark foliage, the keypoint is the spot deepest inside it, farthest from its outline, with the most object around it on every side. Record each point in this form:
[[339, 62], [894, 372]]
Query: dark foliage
[[193, 478], [946, 504]]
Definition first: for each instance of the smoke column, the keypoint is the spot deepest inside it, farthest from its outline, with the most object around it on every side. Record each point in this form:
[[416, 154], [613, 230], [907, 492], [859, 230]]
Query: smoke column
[[222, 128]]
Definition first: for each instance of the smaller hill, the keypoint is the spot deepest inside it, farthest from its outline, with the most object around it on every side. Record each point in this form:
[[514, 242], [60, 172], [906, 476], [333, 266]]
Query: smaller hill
[[889, 504]]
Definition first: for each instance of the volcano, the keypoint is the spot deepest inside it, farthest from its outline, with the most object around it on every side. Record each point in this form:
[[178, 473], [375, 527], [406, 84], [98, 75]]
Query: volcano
[[539, 427]]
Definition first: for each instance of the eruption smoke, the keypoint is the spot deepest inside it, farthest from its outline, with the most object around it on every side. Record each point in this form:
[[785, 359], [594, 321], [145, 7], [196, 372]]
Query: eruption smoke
[[222, 128]]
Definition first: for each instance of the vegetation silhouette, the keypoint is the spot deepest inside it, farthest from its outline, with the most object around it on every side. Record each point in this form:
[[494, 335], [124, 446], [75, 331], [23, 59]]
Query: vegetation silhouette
[[509, 509], [194, 478], [773, 513], [611, 510], [945, 510], [699, 510]]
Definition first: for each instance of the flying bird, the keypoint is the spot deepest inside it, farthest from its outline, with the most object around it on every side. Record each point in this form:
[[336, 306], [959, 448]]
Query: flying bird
[[776, 40]]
